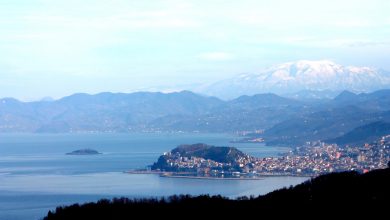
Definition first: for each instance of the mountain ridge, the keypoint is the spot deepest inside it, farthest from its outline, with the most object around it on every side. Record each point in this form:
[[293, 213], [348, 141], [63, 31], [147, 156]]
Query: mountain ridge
[[293, 77], [285, 121], [363, 134]]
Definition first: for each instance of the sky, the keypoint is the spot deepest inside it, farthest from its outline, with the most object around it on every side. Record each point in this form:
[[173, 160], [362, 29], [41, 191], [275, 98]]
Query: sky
[[59, 47]]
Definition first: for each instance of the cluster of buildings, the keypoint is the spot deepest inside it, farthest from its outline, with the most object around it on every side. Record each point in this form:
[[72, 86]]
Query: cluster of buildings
[[312, 159], [319, 158], [192, 164]]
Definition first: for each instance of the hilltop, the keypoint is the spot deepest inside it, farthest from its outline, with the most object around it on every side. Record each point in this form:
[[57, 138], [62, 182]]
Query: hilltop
[[208, 152], [218, 157]]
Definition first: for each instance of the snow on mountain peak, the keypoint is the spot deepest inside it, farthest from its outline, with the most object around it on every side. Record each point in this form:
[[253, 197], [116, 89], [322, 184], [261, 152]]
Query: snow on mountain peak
[[306, 67], [318, 71], [302, 75]]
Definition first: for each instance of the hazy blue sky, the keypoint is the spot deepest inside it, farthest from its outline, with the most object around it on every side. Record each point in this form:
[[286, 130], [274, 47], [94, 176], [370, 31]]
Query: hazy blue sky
[[58, 47]]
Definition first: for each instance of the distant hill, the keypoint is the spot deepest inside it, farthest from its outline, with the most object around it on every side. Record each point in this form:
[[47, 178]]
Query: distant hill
[[104, 112], [259, 111], [261, 100], [286, 121], [363, 134], [322, 125], [292, 77], [378, 100], [347, 195], [331, 119], [313, 94], [144, 111]]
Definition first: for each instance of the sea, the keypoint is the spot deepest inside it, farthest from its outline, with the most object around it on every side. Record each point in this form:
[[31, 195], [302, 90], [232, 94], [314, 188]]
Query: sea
[[36, 175]]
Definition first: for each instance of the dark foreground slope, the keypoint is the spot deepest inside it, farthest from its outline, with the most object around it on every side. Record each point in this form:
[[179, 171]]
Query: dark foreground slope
[[348, 194]]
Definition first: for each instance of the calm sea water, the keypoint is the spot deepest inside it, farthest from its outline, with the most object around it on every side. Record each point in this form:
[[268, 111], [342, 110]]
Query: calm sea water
[[36, 175]]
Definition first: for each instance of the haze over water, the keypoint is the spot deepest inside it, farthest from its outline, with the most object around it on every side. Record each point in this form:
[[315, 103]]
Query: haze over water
[[54, 54], [36, 175]]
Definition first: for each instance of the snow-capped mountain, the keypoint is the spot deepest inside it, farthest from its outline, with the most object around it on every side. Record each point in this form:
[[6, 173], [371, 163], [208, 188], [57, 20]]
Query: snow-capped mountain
[[293, 77]]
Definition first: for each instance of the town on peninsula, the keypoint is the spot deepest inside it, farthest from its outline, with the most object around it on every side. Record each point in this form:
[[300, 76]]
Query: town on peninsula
[[312, 159]]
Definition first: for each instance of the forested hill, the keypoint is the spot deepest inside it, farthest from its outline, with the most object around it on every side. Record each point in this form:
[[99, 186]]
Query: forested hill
[[219, 154], [208, 152]]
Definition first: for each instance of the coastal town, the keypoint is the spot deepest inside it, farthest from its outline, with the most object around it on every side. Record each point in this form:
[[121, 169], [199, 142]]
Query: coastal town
[[312, 159]]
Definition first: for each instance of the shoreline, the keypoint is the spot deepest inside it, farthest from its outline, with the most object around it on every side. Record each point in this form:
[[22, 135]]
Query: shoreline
[[188, 175], [211, 178]]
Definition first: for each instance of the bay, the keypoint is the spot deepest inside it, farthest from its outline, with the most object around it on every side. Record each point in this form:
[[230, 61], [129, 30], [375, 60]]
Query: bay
[[36, 175]]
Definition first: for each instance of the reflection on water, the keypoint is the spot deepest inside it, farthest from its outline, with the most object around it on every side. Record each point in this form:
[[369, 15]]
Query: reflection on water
[[138, 184], [44, 192], [36, 175]]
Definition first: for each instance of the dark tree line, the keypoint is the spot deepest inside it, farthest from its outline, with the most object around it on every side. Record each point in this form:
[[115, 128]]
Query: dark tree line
[[347, 194]]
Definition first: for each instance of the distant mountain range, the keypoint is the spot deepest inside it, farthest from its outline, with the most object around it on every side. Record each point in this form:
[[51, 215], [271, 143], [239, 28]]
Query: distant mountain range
[[104, 112], [285, 121], [322, 78]]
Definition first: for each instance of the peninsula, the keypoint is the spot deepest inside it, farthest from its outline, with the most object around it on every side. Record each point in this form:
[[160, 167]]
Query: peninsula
[[313, 159], [201, 160]]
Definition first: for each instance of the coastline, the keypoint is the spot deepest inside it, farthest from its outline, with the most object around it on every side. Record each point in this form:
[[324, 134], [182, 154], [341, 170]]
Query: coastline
[[188, 175], [211, 178]]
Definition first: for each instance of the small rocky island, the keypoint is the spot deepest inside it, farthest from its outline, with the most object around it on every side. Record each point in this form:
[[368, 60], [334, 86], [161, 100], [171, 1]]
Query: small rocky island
[[84, 152]]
